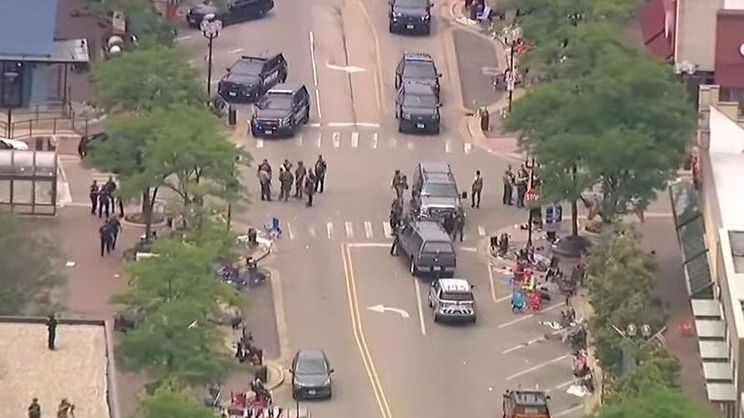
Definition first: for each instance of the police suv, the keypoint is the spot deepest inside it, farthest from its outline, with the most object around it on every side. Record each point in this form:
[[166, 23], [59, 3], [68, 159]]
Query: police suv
[[250, 77], [282, 111], [452, 299]]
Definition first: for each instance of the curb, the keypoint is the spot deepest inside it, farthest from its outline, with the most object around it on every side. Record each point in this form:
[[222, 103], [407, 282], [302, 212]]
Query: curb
[[276, 375]]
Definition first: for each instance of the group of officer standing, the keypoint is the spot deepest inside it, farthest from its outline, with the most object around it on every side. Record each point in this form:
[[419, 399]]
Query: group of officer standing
[[305, 181], [102, 200]]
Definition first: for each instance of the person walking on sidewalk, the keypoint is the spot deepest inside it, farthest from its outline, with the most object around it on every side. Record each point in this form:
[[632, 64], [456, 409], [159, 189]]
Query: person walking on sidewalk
[[51, 331], [320, 172], [310, 188], [34, 410], [477, 189], [459, 226], [104, 202], [508, 186], [106, 235], [285, 179], [93, 194], [115, 226], [300, 173]]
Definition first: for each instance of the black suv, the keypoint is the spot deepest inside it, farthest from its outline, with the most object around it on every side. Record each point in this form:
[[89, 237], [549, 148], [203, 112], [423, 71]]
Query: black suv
[[281, 111], [427, 247], [237, 11], [410, 16], [417, 108], [417, 67], [434, 191], [250, 77]]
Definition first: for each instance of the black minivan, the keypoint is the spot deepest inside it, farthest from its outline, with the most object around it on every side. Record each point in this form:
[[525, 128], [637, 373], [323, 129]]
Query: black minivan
[[428, 248], [237, 11]]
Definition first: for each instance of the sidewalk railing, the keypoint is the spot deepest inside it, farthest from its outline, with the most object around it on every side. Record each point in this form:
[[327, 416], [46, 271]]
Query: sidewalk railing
[[44, 119]]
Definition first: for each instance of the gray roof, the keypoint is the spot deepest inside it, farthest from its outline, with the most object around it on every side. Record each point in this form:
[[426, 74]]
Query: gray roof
[[27, 27]]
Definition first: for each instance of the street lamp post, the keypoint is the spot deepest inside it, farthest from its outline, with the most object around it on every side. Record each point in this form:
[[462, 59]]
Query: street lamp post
[[633, 333], [512, 36], [532, 197], [211, 30]]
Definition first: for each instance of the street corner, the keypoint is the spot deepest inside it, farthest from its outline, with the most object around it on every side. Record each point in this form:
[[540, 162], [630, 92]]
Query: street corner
[[276, 375]]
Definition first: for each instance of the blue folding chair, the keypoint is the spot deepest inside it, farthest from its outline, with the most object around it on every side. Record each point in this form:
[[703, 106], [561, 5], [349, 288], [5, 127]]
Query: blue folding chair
[[274, 230]]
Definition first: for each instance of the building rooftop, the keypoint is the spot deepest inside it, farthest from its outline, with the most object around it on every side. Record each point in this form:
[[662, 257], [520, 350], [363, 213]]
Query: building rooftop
[[77, 370], [27, 27], [727, 162]]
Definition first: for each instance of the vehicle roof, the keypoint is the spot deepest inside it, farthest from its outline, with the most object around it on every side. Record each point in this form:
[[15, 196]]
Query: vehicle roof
[[311, 355], [15, 143], [414, 87], [435, 167], [285, 88], [433, 230], [260, 57], [530, 397], [438, 178], [455, 285], [417, 56]]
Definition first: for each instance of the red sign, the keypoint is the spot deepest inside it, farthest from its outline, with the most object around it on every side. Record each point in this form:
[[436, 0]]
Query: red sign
[[532, 195]]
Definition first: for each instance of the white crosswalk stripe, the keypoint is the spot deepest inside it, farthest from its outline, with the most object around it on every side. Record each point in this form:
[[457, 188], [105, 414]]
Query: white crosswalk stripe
[[373, 231], [447, 147], [259, 143], [374, 140], [299, 140], [336, 139], [319, 141], [468, 147], [354, 139]]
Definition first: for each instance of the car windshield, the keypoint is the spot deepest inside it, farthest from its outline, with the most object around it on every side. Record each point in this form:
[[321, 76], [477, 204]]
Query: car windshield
[[437, 247], [411, 3], [458, 296], [420, 69], [439, 189], [279, 102], [420, 100], [247, 68], [311, 366]]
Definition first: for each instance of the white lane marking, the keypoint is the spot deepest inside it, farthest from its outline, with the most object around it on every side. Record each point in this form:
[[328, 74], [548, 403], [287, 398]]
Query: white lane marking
[[336, 139], [374, 140], [329, 230], [312, 59], [481, 231], [469, 249], [314, 125], [354, 139], [299, 140], [503, 299], [568, 411], [349, 229], [387, 229], [319, 141], [311, 230], [340, 124], [368, 245], [526, 317], [368, 232], [447, 147], [393, 142], [492, 283], [468, 147], [537, 367], [183, 38], [346, 68], [523, 345], [419, 306], [259, 143], [368, 125], [317, 103], [235, 51], [410, 145], [290, 233], [561, 386]]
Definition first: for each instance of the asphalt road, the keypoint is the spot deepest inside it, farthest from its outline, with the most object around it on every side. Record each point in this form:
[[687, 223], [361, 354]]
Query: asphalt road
[[332, 260]]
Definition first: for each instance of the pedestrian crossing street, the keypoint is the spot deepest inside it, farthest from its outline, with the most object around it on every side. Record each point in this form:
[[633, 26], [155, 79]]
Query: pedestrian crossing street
[[371, 140], [349, 231]]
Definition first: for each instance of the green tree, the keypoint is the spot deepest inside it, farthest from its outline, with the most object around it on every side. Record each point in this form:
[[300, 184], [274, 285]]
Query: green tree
[[176, 304], [657, 369], [145, 79], [654, 404], [29, 266], [172, 402]]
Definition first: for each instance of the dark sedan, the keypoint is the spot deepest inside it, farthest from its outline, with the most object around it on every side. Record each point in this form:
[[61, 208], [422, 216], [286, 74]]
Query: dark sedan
[[311, 375]]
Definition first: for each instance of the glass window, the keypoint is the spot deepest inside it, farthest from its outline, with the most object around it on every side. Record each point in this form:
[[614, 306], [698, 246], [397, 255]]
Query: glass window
[[419, 69], [458, 296], [420, 100], [439, 189], [438, 247]]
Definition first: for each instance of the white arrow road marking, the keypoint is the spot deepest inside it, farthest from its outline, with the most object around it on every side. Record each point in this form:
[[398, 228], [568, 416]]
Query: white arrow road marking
[[329, 230], [319, 141], [259, 143], [387, 229], [235, 51], [368, 232], [336, 139], [354, 139], [349, 229], [569, 411], [468, 147], [299, 140], [481, 231], [447, 147], [537, 367], [410, 145], [348, 68], [383, 308], [374, 140]]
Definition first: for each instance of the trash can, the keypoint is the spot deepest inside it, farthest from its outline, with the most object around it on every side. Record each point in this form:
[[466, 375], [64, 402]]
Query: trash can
[[232, 116], [485, 119]]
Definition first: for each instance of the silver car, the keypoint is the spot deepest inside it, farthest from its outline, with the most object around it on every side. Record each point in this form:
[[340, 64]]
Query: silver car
[[452, 300]]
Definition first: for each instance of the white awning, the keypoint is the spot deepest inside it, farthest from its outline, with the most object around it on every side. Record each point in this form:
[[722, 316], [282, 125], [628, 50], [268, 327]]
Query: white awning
[[706, 308], [721, 392], [713, 350], [713, 328], [718, 371]]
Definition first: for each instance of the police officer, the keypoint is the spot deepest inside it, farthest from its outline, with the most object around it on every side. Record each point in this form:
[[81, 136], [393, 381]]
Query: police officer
[[459, 225], [508, 186], [477, 189], [300, 173], [106, 235], [34, 410], [395, 184], [449, 224], [115, 227], [51, 331], [93, 194], [285, 179], [104, 202], [265, 166], [320, 172], [310, 188], [264, 180]]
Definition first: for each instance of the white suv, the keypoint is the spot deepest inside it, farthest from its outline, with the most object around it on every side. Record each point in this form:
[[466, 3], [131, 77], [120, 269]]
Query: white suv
[[452, 299]]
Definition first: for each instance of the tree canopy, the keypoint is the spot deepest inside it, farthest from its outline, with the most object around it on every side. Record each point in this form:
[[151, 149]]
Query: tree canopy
[[653, 404], [29, 266], [145, 79], [172, 403]]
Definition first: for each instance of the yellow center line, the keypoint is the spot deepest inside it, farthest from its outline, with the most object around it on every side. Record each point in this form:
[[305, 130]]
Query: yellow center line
[[359, 333]]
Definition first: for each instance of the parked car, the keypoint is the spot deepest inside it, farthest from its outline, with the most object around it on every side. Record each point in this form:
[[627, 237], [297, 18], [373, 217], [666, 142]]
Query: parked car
[[453, 300], [410, 16], [434, 191], [417, 108], [250, 77], [237, 11], [311, 375], [427, 247], [417, 67], [282, 111]]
